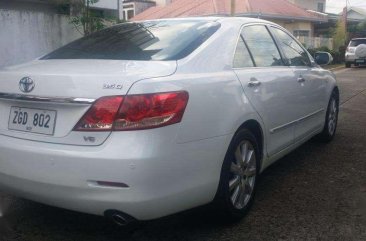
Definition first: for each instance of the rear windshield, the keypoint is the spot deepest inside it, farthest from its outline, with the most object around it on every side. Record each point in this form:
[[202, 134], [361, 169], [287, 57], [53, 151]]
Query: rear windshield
[[151, 40], [356, 42]]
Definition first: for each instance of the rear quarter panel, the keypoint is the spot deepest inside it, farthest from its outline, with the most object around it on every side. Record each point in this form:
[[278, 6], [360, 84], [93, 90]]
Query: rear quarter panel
[[217, 105]]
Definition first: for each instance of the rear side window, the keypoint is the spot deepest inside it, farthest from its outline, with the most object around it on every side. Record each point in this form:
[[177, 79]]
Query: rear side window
[[242, 57], [151, 40], [356, 42], [262, 46], [294, 53]]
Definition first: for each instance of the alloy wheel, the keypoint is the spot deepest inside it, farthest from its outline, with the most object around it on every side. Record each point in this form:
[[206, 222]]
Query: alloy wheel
[[243, 172], [332, 117]]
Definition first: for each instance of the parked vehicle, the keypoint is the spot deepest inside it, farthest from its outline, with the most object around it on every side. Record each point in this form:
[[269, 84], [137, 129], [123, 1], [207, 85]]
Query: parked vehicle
[[356, 52], [146, 119]]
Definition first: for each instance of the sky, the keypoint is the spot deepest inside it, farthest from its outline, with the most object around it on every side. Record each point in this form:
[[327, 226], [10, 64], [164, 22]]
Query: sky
[[336, 6]]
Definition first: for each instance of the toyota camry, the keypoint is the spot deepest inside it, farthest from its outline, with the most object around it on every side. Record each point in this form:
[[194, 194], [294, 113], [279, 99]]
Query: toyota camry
[[146, 119]]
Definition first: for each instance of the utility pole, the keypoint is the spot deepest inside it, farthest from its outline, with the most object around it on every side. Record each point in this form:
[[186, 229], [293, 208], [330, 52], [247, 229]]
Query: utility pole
[[233, 2], [346, 22]]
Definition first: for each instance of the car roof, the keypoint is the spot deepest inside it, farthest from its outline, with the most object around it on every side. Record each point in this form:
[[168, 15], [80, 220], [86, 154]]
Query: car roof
[[213, 18], [358, 39]]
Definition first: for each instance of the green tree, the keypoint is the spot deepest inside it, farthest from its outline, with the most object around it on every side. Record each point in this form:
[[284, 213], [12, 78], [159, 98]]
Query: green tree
[[83, 18], [340, 34]]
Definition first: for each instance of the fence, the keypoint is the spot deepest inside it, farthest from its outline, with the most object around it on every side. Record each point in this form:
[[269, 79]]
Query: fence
[[316, 42]]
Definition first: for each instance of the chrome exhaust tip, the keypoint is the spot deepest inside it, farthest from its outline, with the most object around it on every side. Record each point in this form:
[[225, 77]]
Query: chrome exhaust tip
[[119, 218]]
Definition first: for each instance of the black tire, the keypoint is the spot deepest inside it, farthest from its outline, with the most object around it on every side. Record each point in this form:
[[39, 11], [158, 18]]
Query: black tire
[[328, 133], [223, 200], [348, 65]]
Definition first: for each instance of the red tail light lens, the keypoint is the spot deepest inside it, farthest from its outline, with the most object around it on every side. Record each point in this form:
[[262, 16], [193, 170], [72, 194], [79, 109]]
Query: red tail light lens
[[101, 115], [137, 112], [148, 111]]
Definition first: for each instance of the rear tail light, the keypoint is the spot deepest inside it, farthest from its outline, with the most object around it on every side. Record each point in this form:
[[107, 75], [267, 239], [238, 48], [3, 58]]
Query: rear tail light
[[134, 112], [101, 115]]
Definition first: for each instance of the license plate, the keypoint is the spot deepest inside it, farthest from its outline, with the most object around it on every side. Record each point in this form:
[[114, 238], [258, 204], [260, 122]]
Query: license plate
[[32, 120], [360, 61]]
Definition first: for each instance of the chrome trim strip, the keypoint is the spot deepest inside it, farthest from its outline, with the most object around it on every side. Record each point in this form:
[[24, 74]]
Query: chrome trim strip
[[62, 100], [295, 121]]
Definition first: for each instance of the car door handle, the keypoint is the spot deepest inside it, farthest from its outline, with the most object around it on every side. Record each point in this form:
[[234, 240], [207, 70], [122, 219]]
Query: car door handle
[[254, 83], [300, 80]]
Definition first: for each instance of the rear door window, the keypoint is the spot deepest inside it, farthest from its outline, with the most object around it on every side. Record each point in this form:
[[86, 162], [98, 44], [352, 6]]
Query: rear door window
[[262, 47], [295, 55], [242, 56]]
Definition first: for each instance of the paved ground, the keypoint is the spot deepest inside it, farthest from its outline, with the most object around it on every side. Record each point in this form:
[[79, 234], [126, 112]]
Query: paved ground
[[316, 193]]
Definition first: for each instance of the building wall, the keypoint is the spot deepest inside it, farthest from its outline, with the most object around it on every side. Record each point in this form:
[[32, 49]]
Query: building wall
[[142, 6], [292, 26], [28, 34], [110, 8], [355, 15], [163, 2], [309, 4], [107, 4]]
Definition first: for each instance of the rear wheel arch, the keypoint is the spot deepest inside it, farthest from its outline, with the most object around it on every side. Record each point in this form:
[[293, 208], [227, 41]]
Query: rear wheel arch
[[254, 127], [250, 131]]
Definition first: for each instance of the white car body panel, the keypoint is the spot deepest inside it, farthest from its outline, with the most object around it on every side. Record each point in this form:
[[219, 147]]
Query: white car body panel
[[168, 169], [74, 79]]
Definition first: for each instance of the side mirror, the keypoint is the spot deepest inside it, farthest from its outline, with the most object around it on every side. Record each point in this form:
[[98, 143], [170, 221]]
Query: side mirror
[[323, 58]]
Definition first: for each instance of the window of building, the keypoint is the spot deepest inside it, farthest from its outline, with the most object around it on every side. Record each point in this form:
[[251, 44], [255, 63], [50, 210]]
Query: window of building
[[128, 11], [302, 33], [321, 7], [262, 46]]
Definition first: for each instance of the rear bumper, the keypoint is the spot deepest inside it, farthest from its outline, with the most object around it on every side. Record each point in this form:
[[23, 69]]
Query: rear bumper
[[163, 177], [353, 59], [349, 57]]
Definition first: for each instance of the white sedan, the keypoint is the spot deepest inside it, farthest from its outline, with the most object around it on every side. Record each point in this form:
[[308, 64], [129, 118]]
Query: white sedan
[[146, 119]]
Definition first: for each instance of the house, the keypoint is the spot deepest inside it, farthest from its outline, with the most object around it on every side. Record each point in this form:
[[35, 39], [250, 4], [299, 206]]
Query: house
[[108, 8], [297, 20], [356, 14], [315, 5], [134, 7]]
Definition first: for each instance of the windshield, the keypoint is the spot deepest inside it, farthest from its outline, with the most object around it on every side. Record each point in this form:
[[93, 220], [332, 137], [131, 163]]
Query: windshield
[[151, 40], [356, 42]]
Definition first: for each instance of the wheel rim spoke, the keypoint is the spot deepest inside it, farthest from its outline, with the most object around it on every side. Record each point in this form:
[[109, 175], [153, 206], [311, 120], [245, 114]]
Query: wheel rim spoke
[[238, 156], [234, 168], [235, 195], [234, 183], [249, 157], [250, 171], [244, 152], [242, 196]]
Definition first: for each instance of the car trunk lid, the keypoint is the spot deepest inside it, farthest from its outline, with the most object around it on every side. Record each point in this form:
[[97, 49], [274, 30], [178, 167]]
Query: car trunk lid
[[63, 91]]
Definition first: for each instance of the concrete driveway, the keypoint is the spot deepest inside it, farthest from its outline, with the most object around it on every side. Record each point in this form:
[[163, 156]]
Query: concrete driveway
[[317, 192]]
